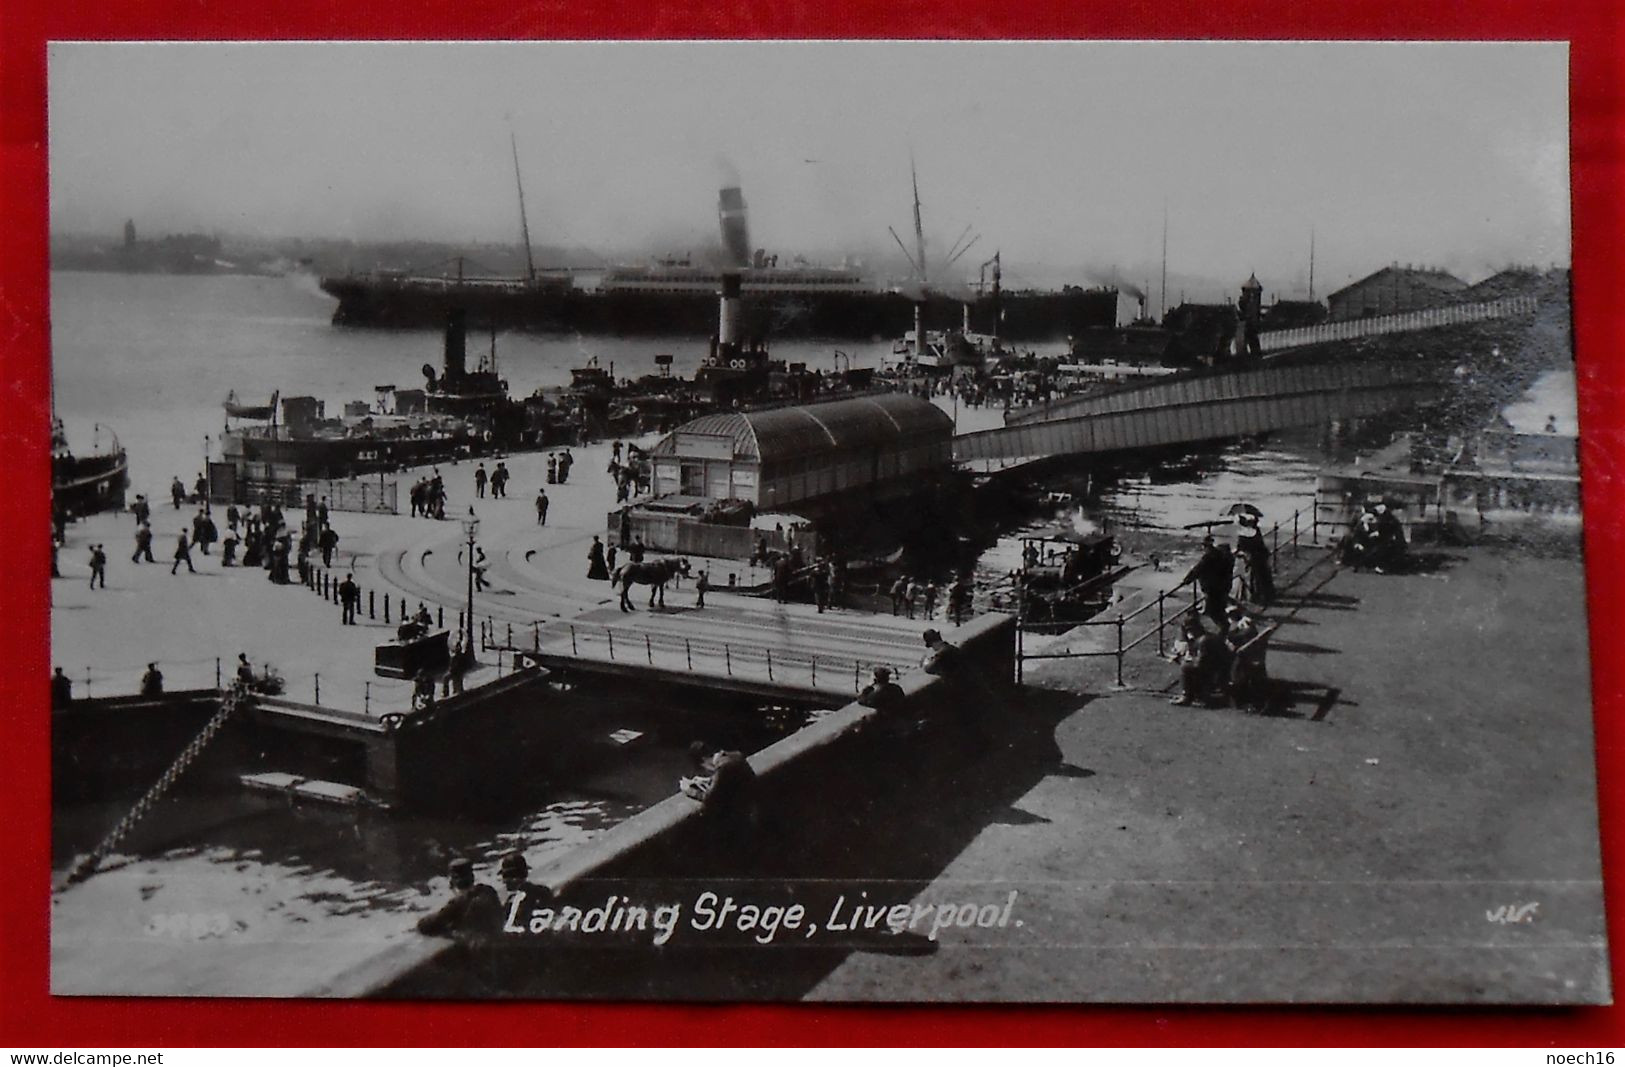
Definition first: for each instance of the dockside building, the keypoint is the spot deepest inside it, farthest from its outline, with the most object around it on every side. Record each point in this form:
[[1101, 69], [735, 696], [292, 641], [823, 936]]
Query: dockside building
[[791, 457]]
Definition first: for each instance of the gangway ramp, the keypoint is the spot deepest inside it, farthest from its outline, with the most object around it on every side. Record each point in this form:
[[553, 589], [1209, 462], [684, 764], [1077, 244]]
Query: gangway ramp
[[1207, 408]]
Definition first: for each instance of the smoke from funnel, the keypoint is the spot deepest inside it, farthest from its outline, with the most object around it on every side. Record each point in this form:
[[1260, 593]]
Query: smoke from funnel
[[1128, 289], [735, 231]]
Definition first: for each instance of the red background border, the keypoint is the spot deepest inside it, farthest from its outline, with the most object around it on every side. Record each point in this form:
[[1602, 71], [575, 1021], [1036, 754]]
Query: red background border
[[32, 1016]]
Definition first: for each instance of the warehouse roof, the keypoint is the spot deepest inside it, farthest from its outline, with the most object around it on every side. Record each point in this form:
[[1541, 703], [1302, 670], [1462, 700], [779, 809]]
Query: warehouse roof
[[1429, 277], [877, 421]]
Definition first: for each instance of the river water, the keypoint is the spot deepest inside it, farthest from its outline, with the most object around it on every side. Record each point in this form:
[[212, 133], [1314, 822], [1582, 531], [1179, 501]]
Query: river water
[[153, 356]]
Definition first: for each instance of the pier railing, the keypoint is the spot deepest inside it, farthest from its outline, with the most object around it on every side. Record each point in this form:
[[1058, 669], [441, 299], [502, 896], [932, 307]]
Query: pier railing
[[731, 659], [592, 641], [1425, 318], [1291, 539], [348, 494]]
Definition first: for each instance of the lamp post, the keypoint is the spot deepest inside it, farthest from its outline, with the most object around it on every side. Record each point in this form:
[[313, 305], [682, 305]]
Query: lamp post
[[471, 527]]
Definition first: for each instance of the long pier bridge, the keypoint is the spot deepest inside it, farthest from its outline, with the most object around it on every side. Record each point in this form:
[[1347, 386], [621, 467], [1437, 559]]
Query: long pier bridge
[[1215, 406], [1203, 408]]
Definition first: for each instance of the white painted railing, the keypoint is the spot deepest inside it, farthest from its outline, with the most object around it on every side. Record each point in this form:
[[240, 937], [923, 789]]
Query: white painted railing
[[1449, 315]]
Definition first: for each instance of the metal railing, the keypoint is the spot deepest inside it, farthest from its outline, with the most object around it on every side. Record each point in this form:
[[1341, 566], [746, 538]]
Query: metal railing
[[1169, 605], [595, 642], [353, 495], [1421, 319]]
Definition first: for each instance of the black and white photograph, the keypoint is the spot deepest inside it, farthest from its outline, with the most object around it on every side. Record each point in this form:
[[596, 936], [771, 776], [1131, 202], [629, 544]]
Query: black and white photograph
[[840, 521]]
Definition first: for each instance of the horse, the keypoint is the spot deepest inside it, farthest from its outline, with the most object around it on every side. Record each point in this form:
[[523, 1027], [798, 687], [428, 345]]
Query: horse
[[654, 573]]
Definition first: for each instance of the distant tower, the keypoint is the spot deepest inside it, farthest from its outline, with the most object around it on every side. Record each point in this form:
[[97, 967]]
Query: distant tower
[[1249, 310], [129, 233]]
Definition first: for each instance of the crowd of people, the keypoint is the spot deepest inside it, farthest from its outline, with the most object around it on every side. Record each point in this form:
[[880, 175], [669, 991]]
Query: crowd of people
[[913, 597], [262, 533], [629, 469], [428, 495]]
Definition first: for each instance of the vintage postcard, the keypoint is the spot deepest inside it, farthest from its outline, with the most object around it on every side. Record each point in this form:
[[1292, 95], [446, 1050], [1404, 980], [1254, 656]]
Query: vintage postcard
[[838, 521]]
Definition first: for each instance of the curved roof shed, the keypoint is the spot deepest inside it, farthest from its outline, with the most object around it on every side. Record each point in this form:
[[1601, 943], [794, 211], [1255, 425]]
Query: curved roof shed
[[804, 432]]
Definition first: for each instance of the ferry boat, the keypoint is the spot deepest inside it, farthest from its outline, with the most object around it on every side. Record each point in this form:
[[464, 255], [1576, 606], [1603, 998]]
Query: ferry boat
[[87, 483], [458, 412]]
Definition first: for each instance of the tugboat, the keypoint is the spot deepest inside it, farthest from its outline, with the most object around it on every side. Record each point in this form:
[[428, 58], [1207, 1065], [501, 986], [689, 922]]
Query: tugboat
[[85, 484]]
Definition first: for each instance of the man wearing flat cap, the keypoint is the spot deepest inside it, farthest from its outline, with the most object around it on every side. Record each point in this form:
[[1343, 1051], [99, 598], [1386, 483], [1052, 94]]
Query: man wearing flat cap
[[474, 912]]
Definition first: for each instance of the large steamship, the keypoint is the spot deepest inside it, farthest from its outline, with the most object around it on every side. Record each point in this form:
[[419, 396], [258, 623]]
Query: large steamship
[[673, 297]]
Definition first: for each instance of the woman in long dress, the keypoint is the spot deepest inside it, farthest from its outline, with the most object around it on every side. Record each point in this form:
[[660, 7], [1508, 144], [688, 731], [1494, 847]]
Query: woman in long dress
[[595, 560]]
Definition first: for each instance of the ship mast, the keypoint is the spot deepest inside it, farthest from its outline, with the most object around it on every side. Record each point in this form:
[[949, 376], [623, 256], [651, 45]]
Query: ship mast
[[524, 223], [919, 228], [1164, 313], [1311, 264]]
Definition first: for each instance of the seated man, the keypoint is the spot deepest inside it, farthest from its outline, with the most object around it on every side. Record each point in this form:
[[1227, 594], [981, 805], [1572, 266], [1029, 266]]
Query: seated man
[[1248, 644], [423, 690], [941, 657], [1201, 655], [886, 698], [726, 786], [474, 912]]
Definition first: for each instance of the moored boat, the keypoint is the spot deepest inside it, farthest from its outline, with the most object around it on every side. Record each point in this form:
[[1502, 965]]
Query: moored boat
[[83, 484]]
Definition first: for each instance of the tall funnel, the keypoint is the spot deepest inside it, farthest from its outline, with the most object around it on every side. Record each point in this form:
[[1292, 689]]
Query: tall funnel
[[728, 317], [735, 232], [456, 343]]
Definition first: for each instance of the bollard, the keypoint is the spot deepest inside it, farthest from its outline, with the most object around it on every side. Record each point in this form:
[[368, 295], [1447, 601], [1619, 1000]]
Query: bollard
[[728, 660], [815, 672], [1120, 650], [689, 652], [857, 667], [648, 650], [366, 698], [611, 635], [440, 616], [386, 608], [574, 651], [769, 652], [536, 636], [217, 672], [318, 680], [372, 612]]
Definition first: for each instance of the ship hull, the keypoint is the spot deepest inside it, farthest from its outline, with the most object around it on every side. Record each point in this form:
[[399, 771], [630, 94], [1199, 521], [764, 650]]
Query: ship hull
[[1034, 316], [343, 457], [85, 485]]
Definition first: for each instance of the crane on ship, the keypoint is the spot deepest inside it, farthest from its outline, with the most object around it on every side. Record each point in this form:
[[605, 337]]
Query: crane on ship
[[920, 288]]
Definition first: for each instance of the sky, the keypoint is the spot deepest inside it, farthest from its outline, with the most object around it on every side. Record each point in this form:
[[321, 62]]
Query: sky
[[1060, 155]]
